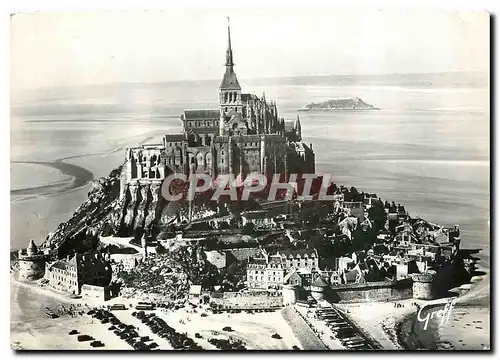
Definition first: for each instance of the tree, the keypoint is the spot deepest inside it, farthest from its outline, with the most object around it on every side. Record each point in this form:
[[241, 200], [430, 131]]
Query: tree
[[248, 229], [377, 214], [160, 249]]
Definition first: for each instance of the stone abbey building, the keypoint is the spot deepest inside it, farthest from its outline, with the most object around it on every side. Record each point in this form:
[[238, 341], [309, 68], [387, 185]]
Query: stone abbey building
[[245, 135]]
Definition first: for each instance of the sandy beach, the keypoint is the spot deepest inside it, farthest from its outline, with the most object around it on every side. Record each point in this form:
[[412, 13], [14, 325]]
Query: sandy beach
[[255, 330], [468, 328], [31, 329], [395, 327], [379, 319]]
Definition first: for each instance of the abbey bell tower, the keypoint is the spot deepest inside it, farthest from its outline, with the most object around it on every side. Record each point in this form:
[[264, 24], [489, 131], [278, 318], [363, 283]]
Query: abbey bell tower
[[229, 89]]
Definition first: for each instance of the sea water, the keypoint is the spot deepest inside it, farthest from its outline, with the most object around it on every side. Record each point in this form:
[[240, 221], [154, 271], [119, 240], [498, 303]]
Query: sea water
[[427, 148]]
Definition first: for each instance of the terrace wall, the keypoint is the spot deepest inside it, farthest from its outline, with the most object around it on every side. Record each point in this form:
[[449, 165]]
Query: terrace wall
[[235, 300]]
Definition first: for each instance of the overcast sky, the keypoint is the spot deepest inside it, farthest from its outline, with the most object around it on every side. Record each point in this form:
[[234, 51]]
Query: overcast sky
[[92, 48]]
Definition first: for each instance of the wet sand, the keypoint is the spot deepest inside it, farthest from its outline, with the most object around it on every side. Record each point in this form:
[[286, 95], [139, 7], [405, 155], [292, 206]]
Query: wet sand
[[379, 319], [397, 328], [80, 176], [468, 328]]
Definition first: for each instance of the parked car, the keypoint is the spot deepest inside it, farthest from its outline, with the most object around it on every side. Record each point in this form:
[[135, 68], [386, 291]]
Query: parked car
[[118, 307], [84, 338]]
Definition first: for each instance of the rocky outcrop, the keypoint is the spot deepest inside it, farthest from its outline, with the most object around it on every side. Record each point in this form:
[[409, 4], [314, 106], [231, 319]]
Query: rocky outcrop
[[141, 209], [79, 233], [344, 104], [168, 276]]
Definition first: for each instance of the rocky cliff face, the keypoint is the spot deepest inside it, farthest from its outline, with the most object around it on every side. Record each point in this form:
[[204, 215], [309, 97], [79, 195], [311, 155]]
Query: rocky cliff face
[[140, 210], [105, 213], [79, 233]]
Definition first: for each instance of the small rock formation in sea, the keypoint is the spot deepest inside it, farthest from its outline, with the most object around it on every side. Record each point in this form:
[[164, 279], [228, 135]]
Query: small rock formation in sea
[[344, 104]]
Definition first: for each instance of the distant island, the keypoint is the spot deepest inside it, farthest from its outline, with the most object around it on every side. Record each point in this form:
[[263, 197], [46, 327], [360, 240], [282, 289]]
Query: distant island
[[343, 104]]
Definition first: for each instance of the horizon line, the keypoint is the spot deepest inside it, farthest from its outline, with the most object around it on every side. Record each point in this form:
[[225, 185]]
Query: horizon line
[[488, 73]]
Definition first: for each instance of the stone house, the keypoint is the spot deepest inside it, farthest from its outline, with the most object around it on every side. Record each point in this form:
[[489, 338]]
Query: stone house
[[70, 274], [301, 258], [259, 218]]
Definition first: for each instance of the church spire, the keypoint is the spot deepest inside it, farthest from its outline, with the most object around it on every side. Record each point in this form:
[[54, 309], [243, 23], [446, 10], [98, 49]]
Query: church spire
[[229, 52], [229, 81]]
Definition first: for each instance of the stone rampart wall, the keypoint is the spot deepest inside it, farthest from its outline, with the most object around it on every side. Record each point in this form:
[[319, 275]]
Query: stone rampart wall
[[31, 270], [368, 292]]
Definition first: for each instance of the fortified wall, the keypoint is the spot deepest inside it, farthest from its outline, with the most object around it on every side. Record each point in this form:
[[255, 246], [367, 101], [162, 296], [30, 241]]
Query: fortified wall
[[424, 286], [372, 291]]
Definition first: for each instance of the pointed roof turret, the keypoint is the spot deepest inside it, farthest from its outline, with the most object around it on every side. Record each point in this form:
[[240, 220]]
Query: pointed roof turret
[[296, 123], [32, 248], [319, 282], [298, 128], [229, 81]]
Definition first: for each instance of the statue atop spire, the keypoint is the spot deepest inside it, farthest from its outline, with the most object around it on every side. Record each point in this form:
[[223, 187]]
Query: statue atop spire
[[229, 52]]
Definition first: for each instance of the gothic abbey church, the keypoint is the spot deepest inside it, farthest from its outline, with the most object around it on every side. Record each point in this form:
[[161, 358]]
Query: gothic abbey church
[[244, 135]]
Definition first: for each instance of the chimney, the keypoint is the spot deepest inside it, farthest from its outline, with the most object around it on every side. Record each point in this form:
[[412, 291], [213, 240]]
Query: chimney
[[68, 257]]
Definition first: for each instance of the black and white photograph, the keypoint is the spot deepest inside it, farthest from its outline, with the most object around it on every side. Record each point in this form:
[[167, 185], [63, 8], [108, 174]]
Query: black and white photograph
[[223, 179]]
